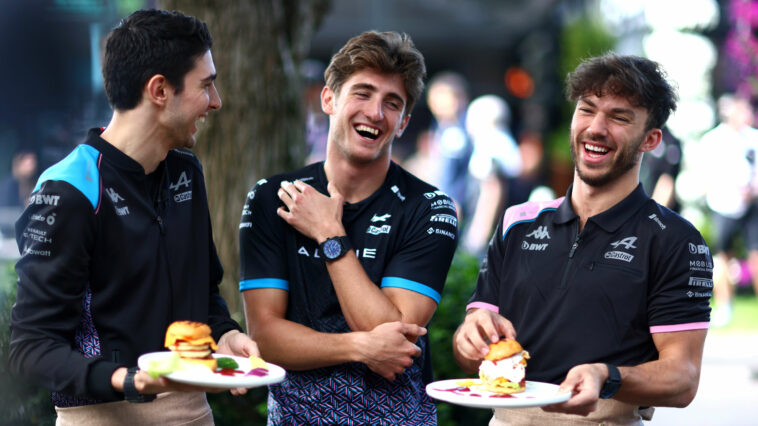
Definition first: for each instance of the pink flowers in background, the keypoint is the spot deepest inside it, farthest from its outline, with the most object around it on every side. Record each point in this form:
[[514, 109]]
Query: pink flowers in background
[[742, 45]]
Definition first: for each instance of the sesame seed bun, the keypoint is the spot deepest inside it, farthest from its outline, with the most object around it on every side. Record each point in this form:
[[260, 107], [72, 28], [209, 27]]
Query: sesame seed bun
[[503, 349]]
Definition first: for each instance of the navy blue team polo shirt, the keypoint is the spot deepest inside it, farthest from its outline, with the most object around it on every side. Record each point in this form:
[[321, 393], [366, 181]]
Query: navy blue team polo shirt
[[599, 294]]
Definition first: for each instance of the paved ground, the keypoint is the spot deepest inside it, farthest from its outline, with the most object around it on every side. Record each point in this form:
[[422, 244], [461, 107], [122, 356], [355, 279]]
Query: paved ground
[[728, 392]]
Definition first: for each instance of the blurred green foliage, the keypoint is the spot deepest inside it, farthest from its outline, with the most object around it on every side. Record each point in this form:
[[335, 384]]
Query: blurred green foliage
[[459, 285], [21, 403]]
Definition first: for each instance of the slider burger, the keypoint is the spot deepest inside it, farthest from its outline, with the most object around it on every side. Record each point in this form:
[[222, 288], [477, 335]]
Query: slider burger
[[193, 343], [504, 368]]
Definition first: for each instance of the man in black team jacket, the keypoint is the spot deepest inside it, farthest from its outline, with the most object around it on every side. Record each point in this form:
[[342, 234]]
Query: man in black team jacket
[[116, 242], [607, 289]]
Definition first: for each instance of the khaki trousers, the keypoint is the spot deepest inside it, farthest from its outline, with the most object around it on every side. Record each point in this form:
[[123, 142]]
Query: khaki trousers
[[171, 408], [609, 413]]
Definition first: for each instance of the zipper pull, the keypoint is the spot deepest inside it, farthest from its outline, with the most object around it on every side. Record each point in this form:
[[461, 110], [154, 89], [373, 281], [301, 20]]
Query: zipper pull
[[160, 223], [573, 248]]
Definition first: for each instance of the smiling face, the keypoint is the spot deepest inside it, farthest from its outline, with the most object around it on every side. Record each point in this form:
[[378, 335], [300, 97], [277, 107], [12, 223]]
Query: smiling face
[[185, 109], [365, 116], [608, 138]]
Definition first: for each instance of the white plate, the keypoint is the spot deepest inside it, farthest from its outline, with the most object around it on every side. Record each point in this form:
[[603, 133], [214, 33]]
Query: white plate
[[536, 394], [203, 376]]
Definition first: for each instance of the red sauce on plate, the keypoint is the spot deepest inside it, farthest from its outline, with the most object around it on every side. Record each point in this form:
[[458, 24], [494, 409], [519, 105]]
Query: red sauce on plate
[[258, 372], [228, 372]]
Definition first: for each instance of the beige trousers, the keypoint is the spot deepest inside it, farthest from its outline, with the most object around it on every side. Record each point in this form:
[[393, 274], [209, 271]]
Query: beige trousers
[[609, 413], [172, 408]]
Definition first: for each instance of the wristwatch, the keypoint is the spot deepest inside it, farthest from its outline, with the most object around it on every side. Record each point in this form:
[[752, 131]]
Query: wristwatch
[[335, 247], [130, 392], [612, 385]]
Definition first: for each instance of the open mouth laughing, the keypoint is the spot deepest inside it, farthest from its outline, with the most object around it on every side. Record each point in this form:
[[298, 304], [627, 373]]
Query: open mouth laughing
[[367, 132], [595, 151]]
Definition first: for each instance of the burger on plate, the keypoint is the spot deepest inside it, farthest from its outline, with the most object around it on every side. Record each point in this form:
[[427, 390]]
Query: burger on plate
[[192, 341], [504, 367]]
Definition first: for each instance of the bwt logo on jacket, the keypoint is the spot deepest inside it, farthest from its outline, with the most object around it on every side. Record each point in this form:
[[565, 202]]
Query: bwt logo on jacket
[[50, 200]]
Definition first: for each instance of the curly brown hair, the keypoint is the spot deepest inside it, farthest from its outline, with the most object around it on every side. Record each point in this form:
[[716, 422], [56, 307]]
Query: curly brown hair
[[640, 80]]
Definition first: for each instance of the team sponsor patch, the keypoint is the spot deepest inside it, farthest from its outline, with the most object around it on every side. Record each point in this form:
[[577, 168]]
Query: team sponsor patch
[[182, 181], [49, 200], [618, 255], [380, 218], [698, 249], [182, 197], [701, 282], [701, 266], [396, 190], [376, 230], [533, 246], [437, 193], [49, 219], [37, 235], [444, 218], [692, 294], [654, 218], [438, 231], [539, 233], [444, 203], [30, 251], [246, 225]]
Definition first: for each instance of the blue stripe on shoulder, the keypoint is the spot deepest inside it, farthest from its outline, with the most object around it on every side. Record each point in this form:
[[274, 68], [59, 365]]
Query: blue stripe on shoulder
[[79, 169], [264, 283], [411, 285]]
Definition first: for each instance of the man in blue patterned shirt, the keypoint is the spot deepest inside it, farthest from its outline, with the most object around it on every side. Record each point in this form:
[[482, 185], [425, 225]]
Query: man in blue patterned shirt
[[343, 261]]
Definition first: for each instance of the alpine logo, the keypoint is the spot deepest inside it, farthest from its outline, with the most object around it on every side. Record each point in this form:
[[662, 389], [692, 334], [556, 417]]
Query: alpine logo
[[381, 218], [533, 246], [540, 233], [183, 181], [376, 230], [627, 242]]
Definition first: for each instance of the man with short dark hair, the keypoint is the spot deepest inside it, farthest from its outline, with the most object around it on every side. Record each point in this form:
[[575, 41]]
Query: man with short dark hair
[[343, 261], [116, 242], [607, 289]]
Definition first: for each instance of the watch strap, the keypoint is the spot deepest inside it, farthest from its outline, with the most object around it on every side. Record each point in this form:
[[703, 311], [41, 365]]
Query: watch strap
[[130, 391], [612, 385]]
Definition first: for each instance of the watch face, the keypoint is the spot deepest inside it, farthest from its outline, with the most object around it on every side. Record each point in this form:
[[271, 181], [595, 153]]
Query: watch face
[[332, 249]]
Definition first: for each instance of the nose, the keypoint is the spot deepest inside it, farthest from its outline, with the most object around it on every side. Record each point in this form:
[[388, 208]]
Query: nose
[[215, 98], [374, 110], [598, 126]]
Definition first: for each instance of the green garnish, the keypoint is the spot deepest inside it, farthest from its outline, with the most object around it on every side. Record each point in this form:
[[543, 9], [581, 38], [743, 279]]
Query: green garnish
[[226, 363]]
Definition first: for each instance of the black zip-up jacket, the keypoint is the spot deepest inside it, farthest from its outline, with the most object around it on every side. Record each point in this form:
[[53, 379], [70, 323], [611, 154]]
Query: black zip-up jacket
[[109, 258]]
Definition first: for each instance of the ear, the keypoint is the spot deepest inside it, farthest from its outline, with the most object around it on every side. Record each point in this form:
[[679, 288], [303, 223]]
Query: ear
[[653, 137], [403, 125], [157, 90], [327, 100]]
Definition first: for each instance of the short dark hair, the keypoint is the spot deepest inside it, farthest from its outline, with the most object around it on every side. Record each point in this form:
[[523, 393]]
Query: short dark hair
[[386, 52], [640, 80], [150, 42]]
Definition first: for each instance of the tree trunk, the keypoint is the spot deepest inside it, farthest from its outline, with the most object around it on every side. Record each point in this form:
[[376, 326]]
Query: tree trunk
[[258, 46]]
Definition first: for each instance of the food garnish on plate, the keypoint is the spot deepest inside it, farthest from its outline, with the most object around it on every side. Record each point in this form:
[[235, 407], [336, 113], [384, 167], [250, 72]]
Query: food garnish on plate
[[503, 369]]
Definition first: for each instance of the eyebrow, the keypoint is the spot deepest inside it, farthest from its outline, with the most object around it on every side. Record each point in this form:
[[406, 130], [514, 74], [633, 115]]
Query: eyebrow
[[209, 78], [617, 110], [371, 87]]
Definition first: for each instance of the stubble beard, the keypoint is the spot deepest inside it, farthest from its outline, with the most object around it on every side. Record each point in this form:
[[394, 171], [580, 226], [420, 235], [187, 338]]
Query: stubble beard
[[626, 160]]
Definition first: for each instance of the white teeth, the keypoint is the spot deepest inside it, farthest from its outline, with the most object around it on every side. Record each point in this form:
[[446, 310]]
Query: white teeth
[[362, 128], [595, 148], [200, 123]]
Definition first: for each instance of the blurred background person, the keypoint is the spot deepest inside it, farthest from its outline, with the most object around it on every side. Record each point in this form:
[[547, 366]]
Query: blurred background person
[[660, 168], [728, 155], [494, 161], [16, 187], [447, 99], [316, 122]]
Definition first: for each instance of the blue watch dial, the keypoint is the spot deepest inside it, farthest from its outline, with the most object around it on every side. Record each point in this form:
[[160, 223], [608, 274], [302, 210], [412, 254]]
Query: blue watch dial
[[332, 249]]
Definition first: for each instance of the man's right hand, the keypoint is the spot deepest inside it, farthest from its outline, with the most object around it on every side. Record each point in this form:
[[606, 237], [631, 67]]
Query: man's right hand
[[480, 328], [387, 349]]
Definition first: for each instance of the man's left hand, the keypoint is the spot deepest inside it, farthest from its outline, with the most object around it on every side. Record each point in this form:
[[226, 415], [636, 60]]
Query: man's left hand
[[234, 342], [584, 382]]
